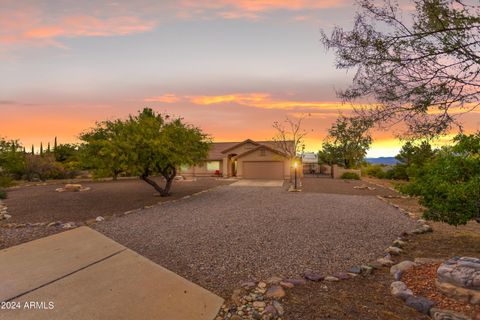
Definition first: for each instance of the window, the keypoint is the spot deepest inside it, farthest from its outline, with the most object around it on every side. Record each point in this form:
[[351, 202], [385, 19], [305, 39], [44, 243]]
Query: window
[[213, 165], [263, 152]]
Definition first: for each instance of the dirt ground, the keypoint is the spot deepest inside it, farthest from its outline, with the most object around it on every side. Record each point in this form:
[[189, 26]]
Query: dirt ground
[[369, 297], [337, 186], [30, 204]]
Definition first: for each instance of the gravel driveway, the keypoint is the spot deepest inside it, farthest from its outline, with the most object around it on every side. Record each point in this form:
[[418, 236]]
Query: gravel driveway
[[228, 235]]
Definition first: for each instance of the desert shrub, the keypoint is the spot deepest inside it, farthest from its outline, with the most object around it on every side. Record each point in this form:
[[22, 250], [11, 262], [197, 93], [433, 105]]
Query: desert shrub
[[374, 170], [397, 172], [5, 181], [3, 193], [350, 176], [43, 168], [449, 184]]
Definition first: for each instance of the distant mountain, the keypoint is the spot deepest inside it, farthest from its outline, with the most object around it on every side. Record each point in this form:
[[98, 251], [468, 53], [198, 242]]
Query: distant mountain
[[382, 160]]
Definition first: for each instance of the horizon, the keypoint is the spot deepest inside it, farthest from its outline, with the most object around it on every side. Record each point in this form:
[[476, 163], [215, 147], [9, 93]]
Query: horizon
[[225, 66]]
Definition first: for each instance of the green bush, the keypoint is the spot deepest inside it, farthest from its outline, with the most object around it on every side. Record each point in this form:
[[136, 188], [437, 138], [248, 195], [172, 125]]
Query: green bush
[[3, 193], [397, 172], [350, 176], [449, 184], [5, 181], [374, 170]]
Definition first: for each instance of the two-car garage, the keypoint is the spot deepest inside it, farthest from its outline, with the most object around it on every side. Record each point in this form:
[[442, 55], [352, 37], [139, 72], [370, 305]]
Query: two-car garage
[[263, 170]]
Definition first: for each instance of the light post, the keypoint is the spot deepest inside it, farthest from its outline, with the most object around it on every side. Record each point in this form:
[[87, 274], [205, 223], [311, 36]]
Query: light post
[[295, 165]]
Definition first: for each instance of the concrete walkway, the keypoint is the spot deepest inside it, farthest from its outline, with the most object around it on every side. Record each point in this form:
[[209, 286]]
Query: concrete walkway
[[257, 183], [81, 274]]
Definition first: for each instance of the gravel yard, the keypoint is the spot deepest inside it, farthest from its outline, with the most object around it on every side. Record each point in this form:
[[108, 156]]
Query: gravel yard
[[42, 203], [231, 234], [338, 186]]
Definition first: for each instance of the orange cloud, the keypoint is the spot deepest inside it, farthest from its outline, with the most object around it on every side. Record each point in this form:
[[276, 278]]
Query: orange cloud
[[29, 24], [166, 98], [265, 101]]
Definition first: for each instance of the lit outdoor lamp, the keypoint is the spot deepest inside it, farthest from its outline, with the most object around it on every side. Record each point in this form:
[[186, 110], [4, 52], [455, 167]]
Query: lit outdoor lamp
[[295, 165]]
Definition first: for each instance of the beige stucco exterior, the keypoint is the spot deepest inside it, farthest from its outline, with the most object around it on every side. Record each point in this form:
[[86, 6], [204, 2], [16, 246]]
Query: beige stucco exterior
[[270, 162], [201, 170]]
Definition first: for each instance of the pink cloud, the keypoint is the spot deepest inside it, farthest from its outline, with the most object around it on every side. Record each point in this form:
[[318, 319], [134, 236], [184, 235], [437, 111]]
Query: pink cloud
[[252, 9], [166, 98], [28, 24]]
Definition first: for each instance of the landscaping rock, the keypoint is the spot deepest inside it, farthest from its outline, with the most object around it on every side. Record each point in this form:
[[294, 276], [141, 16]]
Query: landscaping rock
[[274, 280], [237, 296], [99, 219], [68, 225], [386, 262], [270, 310], [421, 304], [278, 306], [460, 271], [442, 314], [355, 269], [313, 276], [366, 270], [262, 285], [296, 282], [400, 290], [399, 243], [459, 293], [422, 229], [287, 284], [397, 275], [402, 267], [259, 304], [275, 292], [342, 275], [393, 250], [331, 279], [6, 216]]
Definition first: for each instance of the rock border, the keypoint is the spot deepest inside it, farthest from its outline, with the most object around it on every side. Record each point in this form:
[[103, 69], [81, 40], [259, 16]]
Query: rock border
[[423, 305], [4, 211]]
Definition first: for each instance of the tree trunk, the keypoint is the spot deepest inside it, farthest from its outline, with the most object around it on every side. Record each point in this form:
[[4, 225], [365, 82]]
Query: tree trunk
[[154, 185], [169, 174]]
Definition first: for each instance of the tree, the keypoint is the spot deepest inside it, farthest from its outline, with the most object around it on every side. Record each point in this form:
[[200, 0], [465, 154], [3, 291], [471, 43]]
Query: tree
[[422, 70], [290, 136], [12, 159], [449, 183], [150, 144], [347, 142], [412, 154], [102, 150]]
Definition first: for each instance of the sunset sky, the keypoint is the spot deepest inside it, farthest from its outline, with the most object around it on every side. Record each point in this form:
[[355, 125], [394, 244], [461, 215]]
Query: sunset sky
[[231, 67]]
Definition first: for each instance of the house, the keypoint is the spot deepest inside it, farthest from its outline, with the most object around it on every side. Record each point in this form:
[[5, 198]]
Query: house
[[246, 159]]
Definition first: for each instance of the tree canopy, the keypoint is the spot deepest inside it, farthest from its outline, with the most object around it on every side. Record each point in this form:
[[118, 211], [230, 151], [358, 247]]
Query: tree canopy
[[449, 183], [347, 142], [146, 144], [422, 69]]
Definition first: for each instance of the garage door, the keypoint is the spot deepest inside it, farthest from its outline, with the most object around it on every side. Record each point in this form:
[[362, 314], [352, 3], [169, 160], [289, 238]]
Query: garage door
[[263, 170]]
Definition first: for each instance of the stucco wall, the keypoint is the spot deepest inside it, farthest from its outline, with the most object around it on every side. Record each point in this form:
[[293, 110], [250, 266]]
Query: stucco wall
[[199, 170]]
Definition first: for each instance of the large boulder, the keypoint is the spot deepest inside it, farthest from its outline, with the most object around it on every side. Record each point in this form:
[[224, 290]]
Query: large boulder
[[459, 278]]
